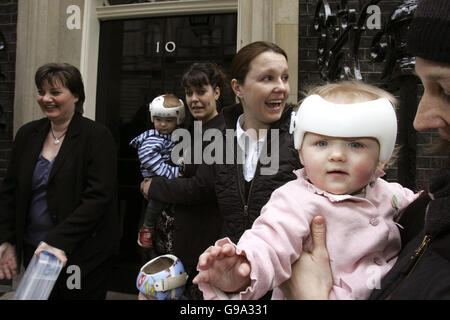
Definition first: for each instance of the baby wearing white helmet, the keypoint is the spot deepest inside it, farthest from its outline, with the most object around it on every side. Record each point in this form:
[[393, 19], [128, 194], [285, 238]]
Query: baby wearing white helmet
[[345, 133], [154, 151], [162, 278]]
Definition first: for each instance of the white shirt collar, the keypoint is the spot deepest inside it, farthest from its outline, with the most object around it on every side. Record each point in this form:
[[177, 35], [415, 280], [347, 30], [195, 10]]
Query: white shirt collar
[[251, 148]]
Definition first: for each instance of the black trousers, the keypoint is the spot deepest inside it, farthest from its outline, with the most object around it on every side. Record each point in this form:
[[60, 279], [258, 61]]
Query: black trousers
[[94, 285]]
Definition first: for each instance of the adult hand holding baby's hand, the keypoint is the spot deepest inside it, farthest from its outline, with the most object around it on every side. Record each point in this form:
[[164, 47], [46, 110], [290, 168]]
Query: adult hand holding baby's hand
[[311, 277], [223, 268]]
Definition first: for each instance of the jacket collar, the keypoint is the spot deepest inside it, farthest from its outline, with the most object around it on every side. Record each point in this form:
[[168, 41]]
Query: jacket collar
[[231, 114], [35, 143], [440, 183], [73, 129], [217, 122], [68, 144], [437, 218]]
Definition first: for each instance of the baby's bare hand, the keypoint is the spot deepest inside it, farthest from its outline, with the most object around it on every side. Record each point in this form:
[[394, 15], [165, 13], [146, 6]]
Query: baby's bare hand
[[223, 268]]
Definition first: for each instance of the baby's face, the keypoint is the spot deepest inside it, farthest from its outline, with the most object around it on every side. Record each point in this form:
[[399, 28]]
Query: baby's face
[[165, 125], [339, 165]]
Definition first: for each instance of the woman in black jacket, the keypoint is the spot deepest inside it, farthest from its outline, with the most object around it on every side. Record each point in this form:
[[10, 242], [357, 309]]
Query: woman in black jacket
[[59, 193], [195, 226], [258, 153]]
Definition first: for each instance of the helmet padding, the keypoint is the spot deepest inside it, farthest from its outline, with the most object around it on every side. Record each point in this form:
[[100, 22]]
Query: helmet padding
[[157, 109]]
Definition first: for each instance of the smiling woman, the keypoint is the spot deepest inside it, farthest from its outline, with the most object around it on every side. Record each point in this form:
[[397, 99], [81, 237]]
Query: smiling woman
[[60, 95], [59, 193], [263, 89]]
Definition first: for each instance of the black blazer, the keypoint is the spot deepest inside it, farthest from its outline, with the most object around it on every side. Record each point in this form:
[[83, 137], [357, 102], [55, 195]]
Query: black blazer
[[81, 191]]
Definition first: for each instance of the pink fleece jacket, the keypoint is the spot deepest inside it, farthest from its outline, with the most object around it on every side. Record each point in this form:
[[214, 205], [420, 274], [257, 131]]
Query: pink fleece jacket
[[363, 239]]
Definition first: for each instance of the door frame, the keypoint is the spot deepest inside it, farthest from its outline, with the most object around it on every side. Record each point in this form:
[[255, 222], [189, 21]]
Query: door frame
[[43, 36], [99, 10]]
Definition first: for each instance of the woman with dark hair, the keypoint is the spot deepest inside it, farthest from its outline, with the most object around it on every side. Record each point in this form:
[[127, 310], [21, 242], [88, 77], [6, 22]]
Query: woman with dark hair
[[59, 192], [195, 226]]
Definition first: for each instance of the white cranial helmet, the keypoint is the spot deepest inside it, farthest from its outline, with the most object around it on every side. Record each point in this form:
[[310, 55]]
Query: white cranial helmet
[[157, 109], [375, 119]]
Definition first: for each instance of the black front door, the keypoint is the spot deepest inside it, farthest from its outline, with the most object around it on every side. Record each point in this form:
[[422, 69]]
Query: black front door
[[140, 59]]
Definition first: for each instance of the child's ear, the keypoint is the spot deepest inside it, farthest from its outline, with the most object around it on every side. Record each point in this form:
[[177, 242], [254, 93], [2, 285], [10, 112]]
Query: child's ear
[[300, 156]]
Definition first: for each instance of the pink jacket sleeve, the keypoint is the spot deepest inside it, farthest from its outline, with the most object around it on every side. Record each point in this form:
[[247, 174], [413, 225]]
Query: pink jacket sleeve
[[275, 241]]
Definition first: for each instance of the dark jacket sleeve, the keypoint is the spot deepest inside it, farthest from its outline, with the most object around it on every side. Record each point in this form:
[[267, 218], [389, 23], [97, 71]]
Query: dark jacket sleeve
[[97, 196], [189, 191], [7, 196]]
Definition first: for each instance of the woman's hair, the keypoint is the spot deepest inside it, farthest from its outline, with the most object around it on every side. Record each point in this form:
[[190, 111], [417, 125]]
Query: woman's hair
[[63, 74], [205, 73], [201, 74], [240, 64], [353, 90]]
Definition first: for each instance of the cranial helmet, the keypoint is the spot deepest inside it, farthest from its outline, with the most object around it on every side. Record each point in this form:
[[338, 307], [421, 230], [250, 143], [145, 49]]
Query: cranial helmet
[[157, 109], [374, 119], [162, 277]]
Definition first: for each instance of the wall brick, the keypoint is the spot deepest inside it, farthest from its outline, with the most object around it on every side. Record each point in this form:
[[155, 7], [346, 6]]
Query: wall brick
[[8, 26]]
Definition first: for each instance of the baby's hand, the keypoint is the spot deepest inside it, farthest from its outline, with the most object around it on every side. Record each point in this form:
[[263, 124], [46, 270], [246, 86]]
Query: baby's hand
[[223, 268]]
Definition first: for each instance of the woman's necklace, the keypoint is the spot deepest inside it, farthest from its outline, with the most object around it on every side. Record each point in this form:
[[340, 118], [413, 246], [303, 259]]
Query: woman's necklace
[[55, 139]]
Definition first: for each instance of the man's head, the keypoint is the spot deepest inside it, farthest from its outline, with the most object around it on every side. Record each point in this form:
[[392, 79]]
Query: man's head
[[428, 41]]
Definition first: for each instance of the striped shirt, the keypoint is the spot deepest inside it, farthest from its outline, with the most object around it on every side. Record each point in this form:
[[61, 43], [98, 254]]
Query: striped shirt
[[154, 150]]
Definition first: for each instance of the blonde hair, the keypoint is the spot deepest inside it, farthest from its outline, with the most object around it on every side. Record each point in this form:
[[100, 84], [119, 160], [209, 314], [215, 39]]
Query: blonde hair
[[354, 90]]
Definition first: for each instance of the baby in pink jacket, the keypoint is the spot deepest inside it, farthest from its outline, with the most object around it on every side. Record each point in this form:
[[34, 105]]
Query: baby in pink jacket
[[345, 134]]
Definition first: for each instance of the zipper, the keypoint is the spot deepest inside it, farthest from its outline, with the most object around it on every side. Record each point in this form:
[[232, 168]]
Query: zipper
[[248, 197], [242, 193], [421, 249], [414, 260], [241, 175]]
